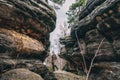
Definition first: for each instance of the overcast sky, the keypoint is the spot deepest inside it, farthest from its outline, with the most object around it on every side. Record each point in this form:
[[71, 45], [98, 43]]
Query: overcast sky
[[61, 20]]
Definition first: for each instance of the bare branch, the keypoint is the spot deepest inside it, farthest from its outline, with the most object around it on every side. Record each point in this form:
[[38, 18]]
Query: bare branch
[[94, 58], [82, 53]]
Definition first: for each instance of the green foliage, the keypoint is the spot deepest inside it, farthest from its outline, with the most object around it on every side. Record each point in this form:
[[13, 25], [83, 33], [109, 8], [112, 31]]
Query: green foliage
[[77, 4], [73, 11], [58, 1], [50, 68], [71, 20]]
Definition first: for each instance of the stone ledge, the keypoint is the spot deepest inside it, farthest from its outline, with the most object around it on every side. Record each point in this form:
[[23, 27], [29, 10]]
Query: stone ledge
[[63, 75]]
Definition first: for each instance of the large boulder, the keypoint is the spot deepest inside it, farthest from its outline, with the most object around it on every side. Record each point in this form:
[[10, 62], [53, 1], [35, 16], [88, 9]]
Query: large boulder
[[63, 75], [20, 74]]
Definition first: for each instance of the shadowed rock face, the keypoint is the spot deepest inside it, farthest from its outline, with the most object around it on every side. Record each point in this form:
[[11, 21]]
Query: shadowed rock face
[[98, 20], [25, 26], [31, 17]]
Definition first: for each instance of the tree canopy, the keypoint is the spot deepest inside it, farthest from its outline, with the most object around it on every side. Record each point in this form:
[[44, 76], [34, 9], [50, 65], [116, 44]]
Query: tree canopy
[[74, 10]]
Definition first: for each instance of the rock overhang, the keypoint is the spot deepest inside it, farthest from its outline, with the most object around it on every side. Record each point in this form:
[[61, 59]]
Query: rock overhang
[[32, 16]]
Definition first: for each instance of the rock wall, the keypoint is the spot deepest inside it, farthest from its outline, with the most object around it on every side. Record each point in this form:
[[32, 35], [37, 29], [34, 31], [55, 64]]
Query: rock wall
[[25, 26], [99, 20]]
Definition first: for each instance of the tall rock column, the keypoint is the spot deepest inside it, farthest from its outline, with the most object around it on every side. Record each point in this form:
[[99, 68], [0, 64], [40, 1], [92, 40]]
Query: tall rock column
[[25, 26], [99, 20]]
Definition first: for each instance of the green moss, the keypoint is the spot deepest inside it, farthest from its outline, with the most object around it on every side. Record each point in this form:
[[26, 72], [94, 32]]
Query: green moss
[[50, 69]]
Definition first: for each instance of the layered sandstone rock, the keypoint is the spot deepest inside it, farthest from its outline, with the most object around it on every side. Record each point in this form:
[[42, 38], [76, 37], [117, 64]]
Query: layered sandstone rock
[[99, 20], [25, 26]]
